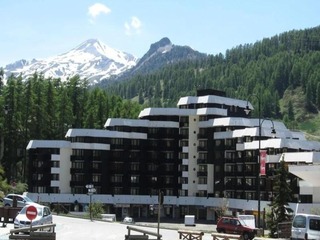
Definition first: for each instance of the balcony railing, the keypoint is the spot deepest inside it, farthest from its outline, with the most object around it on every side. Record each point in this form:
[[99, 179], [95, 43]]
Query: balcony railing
[[202, 174]]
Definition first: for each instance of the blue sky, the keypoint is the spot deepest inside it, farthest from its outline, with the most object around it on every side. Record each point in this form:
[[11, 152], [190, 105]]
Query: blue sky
[[44, 28]]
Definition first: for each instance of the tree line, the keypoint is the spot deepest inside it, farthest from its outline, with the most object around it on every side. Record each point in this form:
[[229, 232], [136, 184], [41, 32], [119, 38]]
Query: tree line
[[283, 70], [44, 108]]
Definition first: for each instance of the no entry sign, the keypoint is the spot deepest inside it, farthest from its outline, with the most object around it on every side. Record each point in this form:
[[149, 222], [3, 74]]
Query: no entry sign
[[31, 212]]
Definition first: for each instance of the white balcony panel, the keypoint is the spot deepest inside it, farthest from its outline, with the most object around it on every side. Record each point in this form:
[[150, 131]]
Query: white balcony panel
[[185, 174], [55, 157], [185, 161], [55, 183], [202, 187], [55, 170], [185, 186]]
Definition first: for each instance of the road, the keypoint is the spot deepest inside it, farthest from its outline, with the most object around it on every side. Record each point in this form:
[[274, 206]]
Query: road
[[84, 229]]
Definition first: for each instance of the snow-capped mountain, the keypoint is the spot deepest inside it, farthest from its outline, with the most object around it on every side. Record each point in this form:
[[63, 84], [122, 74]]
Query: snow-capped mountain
[[92, 60]]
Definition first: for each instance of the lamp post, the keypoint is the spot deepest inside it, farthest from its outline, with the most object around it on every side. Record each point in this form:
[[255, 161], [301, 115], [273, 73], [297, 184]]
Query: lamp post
[[273, 132], [91, 190]]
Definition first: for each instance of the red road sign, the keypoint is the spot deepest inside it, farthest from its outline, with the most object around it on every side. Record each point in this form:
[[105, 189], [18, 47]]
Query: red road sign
[[31, 212]]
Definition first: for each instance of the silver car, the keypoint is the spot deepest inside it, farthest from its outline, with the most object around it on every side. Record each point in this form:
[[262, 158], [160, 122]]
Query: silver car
[[22, 200], [44, 216], [305, 226]]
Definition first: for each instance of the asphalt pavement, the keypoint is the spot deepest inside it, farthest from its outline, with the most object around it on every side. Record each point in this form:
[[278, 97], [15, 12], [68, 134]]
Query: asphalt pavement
[[206, 228], [96, 229]]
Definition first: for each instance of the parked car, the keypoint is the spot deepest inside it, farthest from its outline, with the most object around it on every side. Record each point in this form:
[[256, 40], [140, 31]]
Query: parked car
[[22, 200], [233, 225], [128, 220], [44, 216], [305, 226]]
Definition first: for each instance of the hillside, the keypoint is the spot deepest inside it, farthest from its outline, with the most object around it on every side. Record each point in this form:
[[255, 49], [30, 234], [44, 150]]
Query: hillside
[[268, 68]]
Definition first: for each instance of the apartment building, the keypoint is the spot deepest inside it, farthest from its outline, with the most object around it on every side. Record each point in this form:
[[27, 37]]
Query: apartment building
[[200, 155]]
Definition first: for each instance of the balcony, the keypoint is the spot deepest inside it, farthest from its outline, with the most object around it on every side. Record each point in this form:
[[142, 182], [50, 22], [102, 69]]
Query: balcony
[[202, 161], [202, 148], [202, 136], [76, 170], [202, 174]]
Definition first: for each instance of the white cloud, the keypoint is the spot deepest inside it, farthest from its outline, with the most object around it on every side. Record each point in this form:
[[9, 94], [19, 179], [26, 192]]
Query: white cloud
[[133, 27], [96, 9]]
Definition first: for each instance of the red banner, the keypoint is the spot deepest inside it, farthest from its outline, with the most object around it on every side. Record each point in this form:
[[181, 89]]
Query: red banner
[[263, 159]]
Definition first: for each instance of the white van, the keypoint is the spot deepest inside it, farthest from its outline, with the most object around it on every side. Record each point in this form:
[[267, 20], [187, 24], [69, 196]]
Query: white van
[[305, 226]]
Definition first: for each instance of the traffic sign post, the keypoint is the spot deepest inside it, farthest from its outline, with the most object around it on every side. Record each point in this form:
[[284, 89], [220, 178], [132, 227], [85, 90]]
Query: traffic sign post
[[31, 213], [91, 190]]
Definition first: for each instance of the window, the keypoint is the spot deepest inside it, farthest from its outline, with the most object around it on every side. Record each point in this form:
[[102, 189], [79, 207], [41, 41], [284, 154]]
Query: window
[[184, 143], [202, 180], [202, 168], [203, 143], [183, 180], [168, 192], [77, 177], [77, 165], [228, 142], [183, 192], [37, 177], [228, 168], [96, 165], [168, 180], [134, 191], [202, 193], [202, 155], [154, 179], [183, 168], [135, 166], [96, 178], [37, 164], [169, 167], [239, 181], [116, 178], [55, 177], [169, 155], [96, 153], [249, 181], [117, 141], [55, 164], [134, 179], [117, 166], [184, 132], [78, 152], [117, 190], [217, 143], [315, 224], [152, 167], [135, 142], [183, 155], [239, 168], [299, 222], [152, 130]]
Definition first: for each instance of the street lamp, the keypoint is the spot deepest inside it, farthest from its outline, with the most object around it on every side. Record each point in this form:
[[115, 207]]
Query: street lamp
[[91, 190], [273, 132]]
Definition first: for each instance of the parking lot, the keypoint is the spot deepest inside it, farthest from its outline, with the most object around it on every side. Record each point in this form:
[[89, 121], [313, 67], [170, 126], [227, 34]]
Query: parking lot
[[84, 229]]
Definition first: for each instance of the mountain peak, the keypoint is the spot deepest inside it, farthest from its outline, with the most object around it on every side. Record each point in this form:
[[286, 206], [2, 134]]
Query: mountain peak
[[160, 44], [93, 46]]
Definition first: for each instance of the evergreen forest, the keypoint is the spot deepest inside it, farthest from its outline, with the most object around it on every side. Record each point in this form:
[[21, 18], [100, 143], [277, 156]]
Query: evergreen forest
[[282, 71], [39, 108]]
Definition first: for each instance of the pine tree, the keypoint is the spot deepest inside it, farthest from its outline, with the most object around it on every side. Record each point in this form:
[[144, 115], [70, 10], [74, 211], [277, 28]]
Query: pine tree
[[279, 206]]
